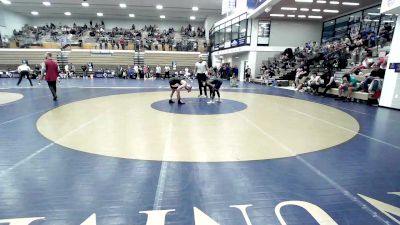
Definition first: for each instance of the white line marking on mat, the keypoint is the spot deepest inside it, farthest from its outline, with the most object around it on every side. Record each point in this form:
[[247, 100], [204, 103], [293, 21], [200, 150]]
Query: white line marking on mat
[[163, 171], [5, 172], [346, 193], [346, 129]]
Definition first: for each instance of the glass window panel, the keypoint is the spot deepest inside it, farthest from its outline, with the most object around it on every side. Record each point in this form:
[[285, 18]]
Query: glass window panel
[[235, 31], [216, 38], [228, 34], [249, 28], [341, 27], [242, 28], [355, 23], [370, 21], [222, 37]]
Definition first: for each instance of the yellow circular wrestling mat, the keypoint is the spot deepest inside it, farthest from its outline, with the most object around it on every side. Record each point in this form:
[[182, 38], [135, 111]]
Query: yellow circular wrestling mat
[[7, 97], [126, 126]]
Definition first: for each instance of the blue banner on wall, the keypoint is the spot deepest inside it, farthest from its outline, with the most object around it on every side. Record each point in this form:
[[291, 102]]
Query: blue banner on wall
[[242, 41], [395, 67], [252, 4]]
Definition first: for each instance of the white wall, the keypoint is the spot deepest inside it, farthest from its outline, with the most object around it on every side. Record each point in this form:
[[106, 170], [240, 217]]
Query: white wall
[[284, 34], [391, 86], [209, 22], [262, 56], [239, 61], [113, 23], [293, 33], [11, 21]]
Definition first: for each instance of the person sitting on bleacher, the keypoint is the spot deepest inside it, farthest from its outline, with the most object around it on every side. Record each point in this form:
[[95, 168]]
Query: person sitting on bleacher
[[376, 73], [314, 83], [301, 76], [382, 62], [131, 73], [349, 83], [329, 82], [365, 64]]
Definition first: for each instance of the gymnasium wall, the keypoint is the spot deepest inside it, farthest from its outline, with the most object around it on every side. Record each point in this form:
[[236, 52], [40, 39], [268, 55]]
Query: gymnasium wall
[[114, 23], [10, 21], [263, 56], [209, 22], [239, 61], [294, 33]]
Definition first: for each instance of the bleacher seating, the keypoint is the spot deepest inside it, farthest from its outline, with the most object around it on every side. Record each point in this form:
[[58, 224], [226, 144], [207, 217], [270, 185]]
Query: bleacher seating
[[107, 60], [12, 59], [114, 58], [182, 60], [98, 37]]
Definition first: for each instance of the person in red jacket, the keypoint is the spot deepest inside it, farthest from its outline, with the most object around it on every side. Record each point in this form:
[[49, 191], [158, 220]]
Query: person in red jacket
[[51, 70]]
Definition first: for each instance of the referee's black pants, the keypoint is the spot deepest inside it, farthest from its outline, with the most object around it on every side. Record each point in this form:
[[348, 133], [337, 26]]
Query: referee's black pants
[[22, 74], [53, 88], [201, 79]]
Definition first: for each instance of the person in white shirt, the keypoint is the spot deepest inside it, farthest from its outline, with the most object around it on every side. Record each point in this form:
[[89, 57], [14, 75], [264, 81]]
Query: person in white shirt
[[158, 71], [167, 69], [24, 70], [66, 68], [136, 70], [200, 70]]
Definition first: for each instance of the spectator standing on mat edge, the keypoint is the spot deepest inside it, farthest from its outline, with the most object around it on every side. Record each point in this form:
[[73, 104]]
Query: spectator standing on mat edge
[[51, 70]]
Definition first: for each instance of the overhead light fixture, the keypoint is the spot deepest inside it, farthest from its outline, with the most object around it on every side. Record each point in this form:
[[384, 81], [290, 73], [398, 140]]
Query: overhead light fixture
[[122, 5], [192, 18], [85, 4], [100, 14], [374, 14], [315, 17], [195, 8], [301, 16], [334, 2], [310, 1], [331, 11], [316, 10], [304, 9], [131, 15], [388, 14], [67, 13], [162, 16], [159, 7], [321, 1], [289, 8], [291, 16], [35, 13], [350, 3], [6, 2], [47, 3], [277, 15]]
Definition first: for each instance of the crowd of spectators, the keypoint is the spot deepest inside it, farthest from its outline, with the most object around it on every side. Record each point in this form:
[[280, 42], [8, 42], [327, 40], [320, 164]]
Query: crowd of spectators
[[189, 31], [355, 59], [149, 37]]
